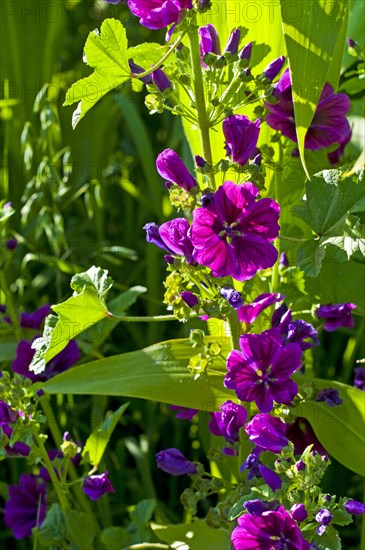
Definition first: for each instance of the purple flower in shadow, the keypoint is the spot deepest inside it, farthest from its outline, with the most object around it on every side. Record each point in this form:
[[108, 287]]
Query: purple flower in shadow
[[184, 412], [60, 363], [261, 370], [26, 506], [336, 315], [173, 462], [301, 434], [233, 234], [329, 124], [96, 486]]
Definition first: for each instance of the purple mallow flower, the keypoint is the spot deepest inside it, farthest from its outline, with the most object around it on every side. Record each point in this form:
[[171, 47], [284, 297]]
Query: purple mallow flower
[[359, 378], [272, 530], [209, 42], [161, 80], [233, 235], [233, 42], [241, 137], [330, 396], [172, 236], [26, 506], [249, 312], [184, 412], [354, 507], [6, 413], [232, 296], [329, 124], [261, 371], [324, 518], [267, 432], [228, 421], [96, 486], [157, 14], [170, 167], [60, 363], [336, 315], [299, 512], [274, 68], [35, 319], [173, 462], [190, 299], [335, 156], [301, 434]]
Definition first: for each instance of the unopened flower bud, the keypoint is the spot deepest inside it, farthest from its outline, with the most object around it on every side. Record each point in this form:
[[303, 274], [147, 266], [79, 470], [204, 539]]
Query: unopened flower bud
[[161, 80], [233, 42], [274, 68], [246, 51], [298, 512]]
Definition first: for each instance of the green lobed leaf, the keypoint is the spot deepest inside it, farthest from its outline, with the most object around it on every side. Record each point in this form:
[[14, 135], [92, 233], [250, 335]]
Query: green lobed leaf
[[147, 54], [158, 373], [331, 198], [106, 53], [195, 536], [98, 440], [85, 308], [314, 32], [338, 428]]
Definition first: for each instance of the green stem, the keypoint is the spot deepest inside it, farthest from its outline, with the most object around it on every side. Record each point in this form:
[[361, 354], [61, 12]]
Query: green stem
[[148, 319], [200, 97], [162, 60], [48, 464], [275, 280]]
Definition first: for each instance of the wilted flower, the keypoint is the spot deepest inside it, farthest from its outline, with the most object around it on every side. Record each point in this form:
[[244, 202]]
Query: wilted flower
[[26, 506], [170, 167], [336, 315], [232, 236], [96, 486], [329, 124], [173, 462], [272, 530], [228, 421], [261, 371], [157, 14], [267, 432], [241, 137]]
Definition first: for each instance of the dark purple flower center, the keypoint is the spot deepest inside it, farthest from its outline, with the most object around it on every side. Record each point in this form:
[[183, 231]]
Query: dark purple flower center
[[265, 378], [281, 543], [230, 231]]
